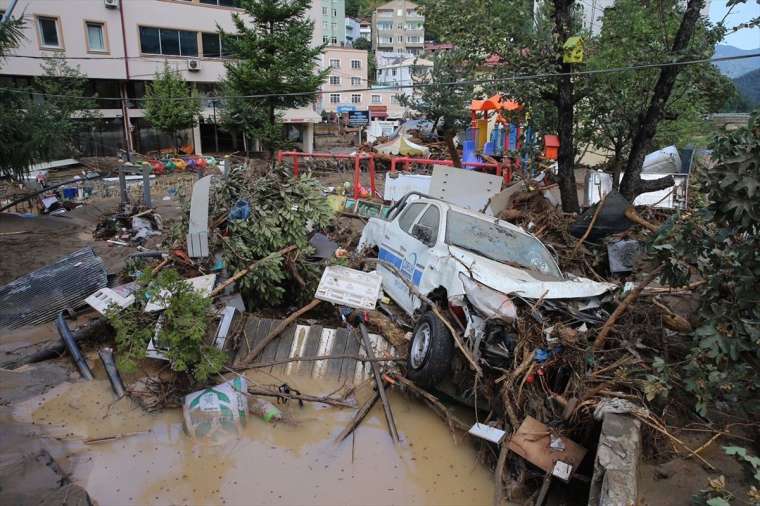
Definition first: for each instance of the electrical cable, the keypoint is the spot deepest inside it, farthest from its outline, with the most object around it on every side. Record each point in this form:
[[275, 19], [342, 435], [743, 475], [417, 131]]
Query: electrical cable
[[469, 82]]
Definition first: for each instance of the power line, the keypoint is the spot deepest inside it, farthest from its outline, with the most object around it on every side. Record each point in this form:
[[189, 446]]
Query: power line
[[471, 82]]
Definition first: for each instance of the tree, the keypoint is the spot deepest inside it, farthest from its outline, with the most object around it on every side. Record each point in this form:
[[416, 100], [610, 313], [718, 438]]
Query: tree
[[362, 43], [41, 122], [272, 56], [445, 105], [635, 33], [170, 105]]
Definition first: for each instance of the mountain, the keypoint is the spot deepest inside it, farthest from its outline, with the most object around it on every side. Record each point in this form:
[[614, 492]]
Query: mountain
[[748, 86], [736, 68]]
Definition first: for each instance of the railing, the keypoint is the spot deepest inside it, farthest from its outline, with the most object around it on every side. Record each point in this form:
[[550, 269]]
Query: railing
[[503, 170]]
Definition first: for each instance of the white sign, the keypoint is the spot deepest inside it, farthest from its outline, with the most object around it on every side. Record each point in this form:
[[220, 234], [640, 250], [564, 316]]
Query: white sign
[[349, 287]]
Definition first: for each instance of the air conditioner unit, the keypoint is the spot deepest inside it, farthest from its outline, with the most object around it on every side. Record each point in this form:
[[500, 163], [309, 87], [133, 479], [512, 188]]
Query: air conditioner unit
[[112, 4], [194, 65]]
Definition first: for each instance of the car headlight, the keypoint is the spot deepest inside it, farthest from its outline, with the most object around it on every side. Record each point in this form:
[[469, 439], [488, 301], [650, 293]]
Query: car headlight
[[489, 302]]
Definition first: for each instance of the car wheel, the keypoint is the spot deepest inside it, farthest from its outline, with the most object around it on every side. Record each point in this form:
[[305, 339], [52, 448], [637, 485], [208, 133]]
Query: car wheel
[[430, 352]]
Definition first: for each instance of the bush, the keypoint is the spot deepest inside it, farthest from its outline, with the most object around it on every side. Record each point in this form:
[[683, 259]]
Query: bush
[[183, 326], [719, 243]]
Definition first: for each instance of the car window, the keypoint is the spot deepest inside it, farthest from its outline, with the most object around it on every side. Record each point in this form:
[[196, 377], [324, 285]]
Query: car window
[[429, 223], [498, 243], [409, 215]]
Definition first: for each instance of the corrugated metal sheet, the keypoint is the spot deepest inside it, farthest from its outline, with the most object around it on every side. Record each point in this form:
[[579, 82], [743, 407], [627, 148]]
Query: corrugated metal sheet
[[39, 296]]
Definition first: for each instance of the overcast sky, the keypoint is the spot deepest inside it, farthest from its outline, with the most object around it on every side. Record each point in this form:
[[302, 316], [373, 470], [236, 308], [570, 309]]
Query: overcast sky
[[746, 38]]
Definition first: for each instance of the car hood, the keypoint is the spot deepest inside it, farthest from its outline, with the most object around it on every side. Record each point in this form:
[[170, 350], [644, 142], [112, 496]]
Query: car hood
[[525, 283]]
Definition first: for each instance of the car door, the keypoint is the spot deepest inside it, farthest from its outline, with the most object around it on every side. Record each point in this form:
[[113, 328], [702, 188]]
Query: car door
[[406, 245]]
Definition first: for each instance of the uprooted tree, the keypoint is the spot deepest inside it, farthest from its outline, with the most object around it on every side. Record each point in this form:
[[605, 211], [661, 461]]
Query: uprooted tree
[[280, 211]]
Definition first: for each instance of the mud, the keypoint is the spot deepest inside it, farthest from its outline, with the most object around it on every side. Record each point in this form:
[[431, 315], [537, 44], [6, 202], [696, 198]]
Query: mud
[[269, 464]]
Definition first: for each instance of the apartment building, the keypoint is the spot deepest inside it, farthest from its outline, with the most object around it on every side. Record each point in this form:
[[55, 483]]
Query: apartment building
[[365, 29], [332, 20], [401, 71], [352, 31], [121, 44], [347, 89], [398, 27]]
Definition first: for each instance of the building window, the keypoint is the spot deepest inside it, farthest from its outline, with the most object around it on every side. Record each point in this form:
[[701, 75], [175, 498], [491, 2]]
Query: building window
[[385, 26], [413, 38], [49, 35], [401, 38], [212, 45], [356, 81], [335, 40], [334, 98], [356, 99], [324, 11], [324, 25], [334, 26], [96, 38], [377, 99], [223, 3], [168, 42], [411, 12], [335, 12], [356, 64], [335, 64], [334, 79]]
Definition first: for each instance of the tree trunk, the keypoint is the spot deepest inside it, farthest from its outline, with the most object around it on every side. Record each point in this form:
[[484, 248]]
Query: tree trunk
[[453, 153], [272, 120], [632, 184], [565, 112]]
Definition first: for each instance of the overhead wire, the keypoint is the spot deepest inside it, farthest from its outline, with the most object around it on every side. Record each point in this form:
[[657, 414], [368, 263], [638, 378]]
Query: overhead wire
[[468, 82]]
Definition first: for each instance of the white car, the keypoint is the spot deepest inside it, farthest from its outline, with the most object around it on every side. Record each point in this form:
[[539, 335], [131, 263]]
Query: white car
[[475, 265]]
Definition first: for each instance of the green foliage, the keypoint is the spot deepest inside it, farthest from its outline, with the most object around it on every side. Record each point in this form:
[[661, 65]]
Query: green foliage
[[283, 211], [40, 122], [271, 55], [170, 105], [11, 33], [750, 461], [183, 326], [362, 43], [720, 244], [444, 105]]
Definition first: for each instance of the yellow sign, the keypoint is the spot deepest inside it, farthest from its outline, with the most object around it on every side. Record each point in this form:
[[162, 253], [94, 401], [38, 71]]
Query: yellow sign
[[573, 50]]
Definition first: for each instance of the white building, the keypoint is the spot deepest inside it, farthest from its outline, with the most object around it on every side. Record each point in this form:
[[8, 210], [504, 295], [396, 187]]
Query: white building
[[353, 31], [402, 71], [121, 44], [398, 27], [332, 20]]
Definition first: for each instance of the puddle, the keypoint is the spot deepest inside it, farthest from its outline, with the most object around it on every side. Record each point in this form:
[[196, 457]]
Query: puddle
[[269, 464]]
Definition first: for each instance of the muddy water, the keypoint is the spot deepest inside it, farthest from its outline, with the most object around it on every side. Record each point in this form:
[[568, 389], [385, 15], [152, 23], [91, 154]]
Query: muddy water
[[269, 464]]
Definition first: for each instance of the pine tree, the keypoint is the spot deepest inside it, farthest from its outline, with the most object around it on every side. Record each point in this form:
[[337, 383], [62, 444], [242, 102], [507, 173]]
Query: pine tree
[[271, 55], [170, 105]]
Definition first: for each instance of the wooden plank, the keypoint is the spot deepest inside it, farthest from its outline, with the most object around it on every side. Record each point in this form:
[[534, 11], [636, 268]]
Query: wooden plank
[[348, 368], [338, 348], [310, 349], [251, 333], [268, 354], [282, 352]]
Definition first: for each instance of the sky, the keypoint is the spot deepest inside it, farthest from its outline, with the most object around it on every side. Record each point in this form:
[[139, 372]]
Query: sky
[[746, 38]]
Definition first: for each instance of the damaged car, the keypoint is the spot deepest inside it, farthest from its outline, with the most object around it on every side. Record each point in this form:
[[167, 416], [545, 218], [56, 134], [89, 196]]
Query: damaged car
[[478, 268]]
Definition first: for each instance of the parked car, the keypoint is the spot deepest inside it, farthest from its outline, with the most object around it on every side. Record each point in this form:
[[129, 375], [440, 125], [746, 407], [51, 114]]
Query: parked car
[[475, 265]]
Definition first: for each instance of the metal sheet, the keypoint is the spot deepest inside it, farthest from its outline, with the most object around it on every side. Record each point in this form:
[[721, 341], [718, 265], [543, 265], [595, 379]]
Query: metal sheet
[[464, 188], [197, 231], [39, 296]]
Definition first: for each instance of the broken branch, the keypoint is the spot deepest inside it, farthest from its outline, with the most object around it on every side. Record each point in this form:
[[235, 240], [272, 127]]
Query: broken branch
[[630, 299], [248, 269], [331, 401], [358, 417]]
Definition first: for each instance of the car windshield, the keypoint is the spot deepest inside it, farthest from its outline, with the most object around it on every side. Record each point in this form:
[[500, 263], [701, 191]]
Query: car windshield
[[499, 243]]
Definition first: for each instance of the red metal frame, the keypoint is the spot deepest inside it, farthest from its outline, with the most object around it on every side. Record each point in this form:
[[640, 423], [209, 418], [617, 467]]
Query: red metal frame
[[504, 170]]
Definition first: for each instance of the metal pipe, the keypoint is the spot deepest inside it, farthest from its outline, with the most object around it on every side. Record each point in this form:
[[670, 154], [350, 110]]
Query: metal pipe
[[9, 11], [68, 340], [106, 356]]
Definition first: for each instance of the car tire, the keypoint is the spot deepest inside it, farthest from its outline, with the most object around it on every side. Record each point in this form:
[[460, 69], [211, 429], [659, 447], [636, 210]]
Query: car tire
[[430, 352]]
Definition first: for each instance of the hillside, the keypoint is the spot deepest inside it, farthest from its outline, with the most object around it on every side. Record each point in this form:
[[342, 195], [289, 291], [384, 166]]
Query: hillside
[[749, 86], [736, 68]]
